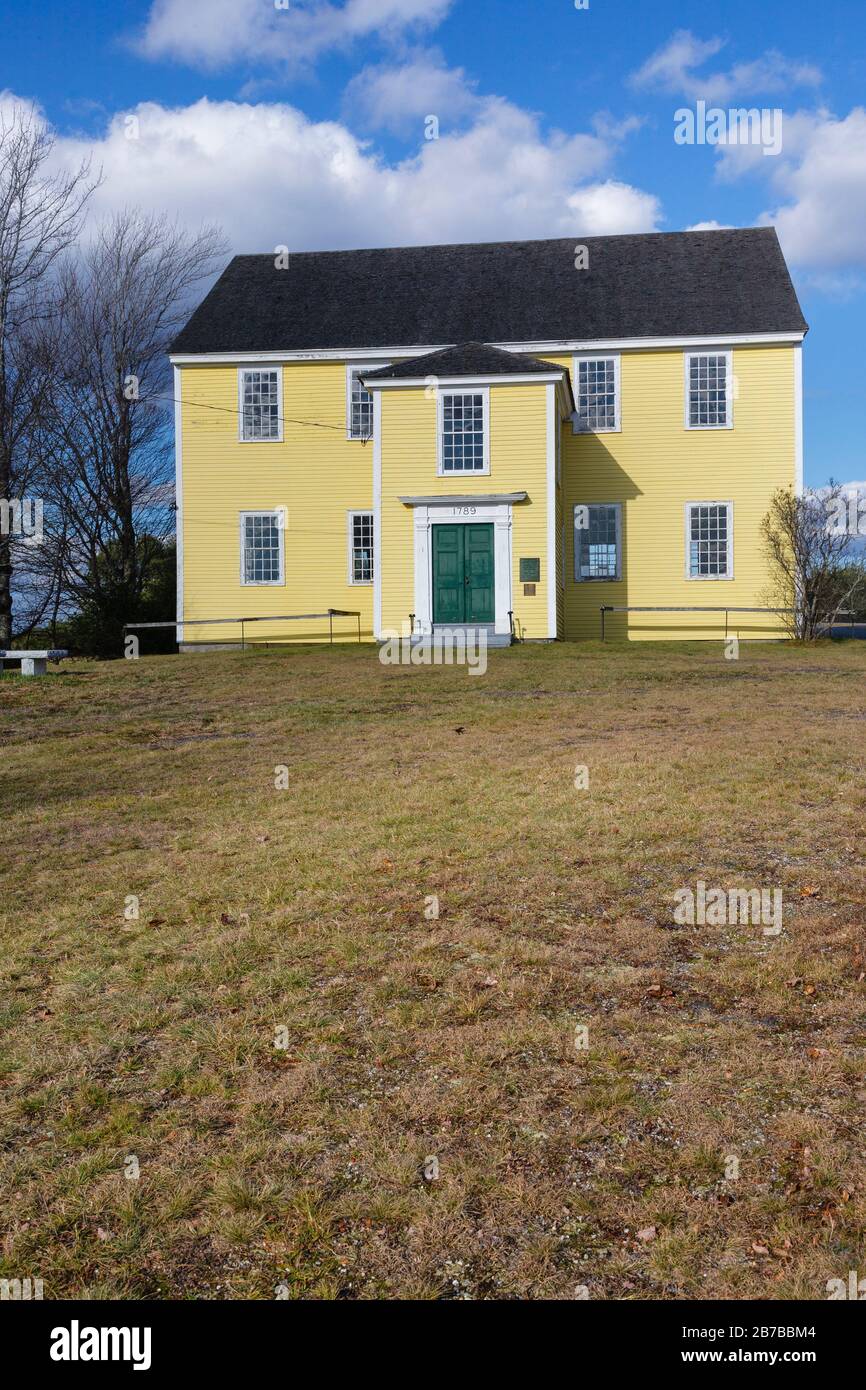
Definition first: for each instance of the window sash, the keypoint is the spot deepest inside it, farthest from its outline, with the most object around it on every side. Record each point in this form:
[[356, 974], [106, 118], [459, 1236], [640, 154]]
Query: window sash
[[262, 553], [598, 546], [463, 432], [708, 390], [261, 404], [709, 540], [597, 394], [360, 547], [360, 405]]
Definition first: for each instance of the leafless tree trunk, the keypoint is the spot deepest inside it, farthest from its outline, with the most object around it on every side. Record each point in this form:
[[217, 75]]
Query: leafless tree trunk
[[108, 443], [40, 216], [817, 570]]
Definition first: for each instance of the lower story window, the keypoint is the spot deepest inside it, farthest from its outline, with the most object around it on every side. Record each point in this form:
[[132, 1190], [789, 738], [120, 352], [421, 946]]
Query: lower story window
[[262, 554], [360, 547], [709, 540], [597, 541]]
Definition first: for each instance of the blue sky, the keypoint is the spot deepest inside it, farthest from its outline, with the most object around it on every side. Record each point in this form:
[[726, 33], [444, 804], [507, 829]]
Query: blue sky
[[304, 124]]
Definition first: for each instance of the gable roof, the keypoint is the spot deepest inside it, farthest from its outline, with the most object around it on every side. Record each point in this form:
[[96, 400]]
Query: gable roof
[[659, 285], [466, 359]]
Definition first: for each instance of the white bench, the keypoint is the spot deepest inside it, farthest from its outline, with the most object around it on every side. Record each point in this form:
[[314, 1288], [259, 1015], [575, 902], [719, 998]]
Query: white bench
[[32, 663]]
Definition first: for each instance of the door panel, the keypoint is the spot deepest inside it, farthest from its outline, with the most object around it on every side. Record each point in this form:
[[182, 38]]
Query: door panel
[[448, 575], [463, 574]]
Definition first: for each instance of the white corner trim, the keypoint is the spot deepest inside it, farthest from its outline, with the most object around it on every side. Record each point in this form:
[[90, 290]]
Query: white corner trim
[[178, 496], [799, 459], [251, 367], [378, 558], [553, 425]]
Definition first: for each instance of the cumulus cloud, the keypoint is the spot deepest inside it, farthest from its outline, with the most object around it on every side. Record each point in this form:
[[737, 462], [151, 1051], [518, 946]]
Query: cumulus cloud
[[270, 176], [672, 68], [400, 97], [711, 226], [215, 34]]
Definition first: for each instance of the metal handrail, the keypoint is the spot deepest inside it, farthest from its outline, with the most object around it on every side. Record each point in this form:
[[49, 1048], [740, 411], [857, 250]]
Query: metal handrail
[[331, 614], [610, 608]]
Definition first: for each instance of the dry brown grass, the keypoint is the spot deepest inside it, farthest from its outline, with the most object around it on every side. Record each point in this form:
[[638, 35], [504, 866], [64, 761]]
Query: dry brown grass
[[407, 1038]]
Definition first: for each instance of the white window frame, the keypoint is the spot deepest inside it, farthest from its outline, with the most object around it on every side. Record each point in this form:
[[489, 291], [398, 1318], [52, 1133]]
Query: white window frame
[[614, 357], [358, 369], [729, 387], [464, 389], [709, 578], [598, 578], [350, 523], [260, 367], [280, 514]]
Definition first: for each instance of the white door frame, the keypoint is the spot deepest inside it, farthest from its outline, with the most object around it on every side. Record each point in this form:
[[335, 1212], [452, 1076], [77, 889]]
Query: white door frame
[[446, 513]]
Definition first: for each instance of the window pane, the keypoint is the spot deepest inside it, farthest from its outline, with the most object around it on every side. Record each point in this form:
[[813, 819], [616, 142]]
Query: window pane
[[596, 394], [362, 409], [362, 548], [463, 433], [261, 549], [261, 417], [708, 390], [597, 548], [708, 542]]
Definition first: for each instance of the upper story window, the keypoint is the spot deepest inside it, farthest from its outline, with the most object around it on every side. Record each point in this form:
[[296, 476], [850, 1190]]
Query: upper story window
[[710, 540], [360, 547], [464, 432], [262, 547], [261, 403], [709, 380], [359, 401], [598, 541], [597, 394]]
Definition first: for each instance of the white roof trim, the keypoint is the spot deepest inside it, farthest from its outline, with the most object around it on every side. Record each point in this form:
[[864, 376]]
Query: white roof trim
[[564, 346], [466, 499], [465, 383]]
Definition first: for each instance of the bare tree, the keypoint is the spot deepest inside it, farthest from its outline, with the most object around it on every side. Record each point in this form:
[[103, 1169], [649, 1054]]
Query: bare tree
[[816, 564], [108, 444], [40, 217]]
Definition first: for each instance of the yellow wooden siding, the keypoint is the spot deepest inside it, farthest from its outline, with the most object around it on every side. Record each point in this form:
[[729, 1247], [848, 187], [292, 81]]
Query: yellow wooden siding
[[317, 475], [654, 466], [518, 463]]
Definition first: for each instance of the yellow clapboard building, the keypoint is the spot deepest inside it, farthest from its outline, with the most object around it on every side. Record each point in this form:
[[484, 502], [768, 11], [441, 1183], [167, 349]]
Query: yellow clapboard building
[[508, 436]]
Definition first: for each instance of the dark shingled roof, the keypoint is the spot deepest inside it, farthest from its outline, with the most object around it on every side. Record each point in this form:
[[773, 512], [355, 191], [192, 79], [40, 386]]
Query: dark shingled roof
[[661, 285], [466, 359]]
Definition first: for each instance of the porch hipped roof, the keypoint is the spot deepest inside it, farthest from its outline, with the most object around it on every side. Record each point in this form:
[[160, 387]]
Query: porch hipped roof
[[471, 362]]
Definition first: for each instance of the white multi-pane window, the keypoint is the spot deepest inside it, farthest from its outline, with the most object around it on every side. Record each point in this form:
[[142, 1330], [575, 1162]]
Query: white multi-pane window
[[708, 390], [360, 547], [261, 403], [262, 556], [597, 541], [359, 402], [463, 432], [709, 540], [596, 387]]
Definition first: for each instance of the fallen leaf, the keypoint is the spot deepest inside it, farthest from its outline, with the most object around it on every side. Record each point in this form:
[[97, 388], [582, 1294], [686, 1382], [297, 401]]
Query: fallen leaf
[[648, 1233], [759, 1249]]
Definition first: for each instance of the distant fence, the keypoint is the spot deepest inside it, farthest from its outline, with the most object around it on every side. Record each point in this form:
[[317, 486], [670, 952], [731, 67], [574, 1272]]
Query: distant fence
[[607, 608], [242, 623]]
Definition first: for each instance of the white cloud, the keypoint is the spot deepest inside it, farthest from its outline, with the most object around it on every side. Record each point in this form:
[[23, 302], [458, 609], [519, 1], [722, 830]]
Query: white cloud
[[222, 33], [398, 98], [272, 177], [711, 226], [672, 69], [818, 190]]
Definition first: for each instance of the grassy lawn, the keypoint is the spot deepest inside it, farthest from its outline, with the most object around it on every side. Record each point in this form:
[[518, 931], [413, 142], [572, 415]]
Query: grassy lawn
[[707, 1142]]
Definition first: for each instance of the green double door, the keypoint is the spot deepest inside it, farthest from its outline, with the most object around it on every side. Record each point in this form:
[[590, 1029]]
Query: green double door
[[463, 581]]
